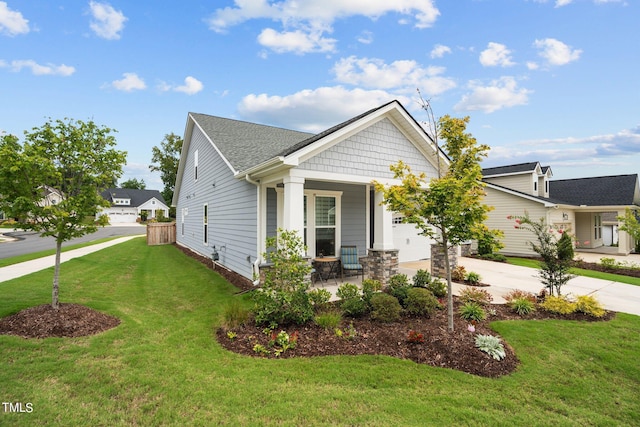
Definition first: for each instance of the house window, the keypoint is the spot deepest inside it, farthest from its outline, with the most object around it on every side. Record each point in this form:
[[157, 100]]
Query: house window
[[205, 223], [182, 223], [597, 232], [535, 185], [546, 186], [195, 165], [322, 222]]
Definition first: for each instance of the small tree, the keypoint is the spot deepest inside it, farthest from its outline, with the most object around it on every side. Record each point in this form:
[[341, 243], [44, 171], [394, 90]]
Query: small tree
[[72, 160], [449, 209], [165, 159], [283, 298], [556, 254], [631, 225]]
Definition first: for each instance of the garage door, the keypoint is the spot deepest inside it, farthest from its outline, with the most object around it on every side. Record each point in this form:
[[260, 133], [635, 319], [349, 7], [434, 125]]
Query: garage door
[[119, 217], [411, 246]]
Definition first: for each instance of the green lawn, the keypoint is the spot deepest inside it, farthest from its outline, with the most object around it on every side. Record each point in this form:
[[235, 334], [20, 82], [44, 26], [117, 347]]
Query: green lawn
[[532, 263], [163, 366]]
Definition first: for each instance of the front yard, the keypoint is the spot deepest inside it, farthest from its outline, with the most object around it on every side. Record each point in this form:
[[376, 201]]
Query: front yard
[[163, 366]]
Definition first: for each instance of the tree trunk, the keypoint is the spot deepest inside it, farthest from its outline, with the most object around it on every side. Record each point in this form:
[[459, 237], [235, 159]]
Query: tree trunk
[[445, 246], [56, 275]]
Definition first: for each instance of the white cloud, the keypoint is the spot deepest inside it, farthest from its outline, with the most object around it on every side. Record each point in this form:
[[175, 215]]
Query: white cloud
[[107, 22], [297, 41], [555, 52], [12, 23], [402, 75], [191, 86], [41, 70], [439, 51], [314, 17], [501, 93], [366, 37], [129, 83], [313, 110], [496, 54], [571, 151]]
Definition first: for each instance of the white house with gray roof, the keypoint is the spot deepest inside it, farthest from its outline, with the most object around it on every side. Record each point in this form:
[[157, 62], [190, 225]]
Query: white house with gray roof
[[128, 204], [579, 206], [238, 182]]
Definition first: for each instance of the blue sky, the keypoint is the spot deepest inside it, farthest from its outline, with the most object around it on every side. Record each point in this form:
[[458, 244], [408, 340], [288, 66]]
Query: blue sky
[[554, 81]]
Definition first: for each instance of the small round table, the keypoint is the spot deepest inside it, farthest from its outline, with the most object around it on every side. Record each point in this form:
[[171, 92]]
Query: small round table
[[327, 267]]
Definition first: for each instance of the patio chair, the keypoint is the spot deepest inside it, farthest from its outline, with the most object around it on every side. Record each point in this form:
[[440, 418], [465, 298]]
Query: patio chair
[[349, 260]]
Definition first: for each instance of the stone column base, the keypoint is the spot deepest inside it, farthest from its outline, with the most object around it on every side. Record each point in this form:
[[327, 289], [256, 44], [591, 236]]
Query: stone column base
[[438, 266], [382, 264]]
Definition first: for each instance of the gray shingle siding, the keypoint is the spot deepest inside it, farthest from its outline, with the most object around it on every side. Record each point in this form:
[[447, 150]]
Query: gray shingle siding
[[232, 207], [370, 153]]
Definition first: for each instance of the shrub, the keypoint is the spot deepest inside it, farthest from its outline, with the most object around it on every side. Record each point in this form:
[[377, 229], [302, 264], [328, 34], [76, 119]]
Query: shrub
[[479, 296], [518, 294], [351, 301], [319, 297], [458, 274], [438, 288], [422, 279], [421, 302], [386, 308], [491, 345], [609, 263], [565, 247], [472, 277], [415, 337], [494, 257], [328, 319], [489, 241], [559, 305], [283, 298], [522, 306], [399, 286], [369, 288], [235, 314], [588, 304], [472, 312]]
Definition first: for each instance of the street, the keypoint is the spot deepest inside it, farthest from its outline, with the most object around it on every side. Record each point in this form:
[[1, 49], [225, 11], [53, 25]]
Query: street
[[29, 242]]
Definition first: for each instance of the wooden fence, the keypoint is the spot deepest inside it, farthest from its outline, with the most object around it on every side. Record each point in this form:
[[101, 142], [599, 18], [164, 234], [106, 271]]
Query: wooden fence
[[161, 233]]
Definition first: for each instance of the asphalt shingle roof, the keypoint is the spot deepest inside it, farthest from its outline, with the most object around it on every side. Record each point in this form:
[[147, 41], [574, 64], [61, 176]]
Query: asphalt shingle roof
[[138, 197], [246, 144], [616, 190], [500, 170]]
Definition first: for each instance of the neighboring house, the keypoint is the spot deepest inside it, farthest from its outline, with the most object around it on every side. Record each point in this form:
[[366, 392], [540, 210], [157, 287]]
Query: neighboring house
[[238, 182], [127, 204], [51, 196], [579, 206]]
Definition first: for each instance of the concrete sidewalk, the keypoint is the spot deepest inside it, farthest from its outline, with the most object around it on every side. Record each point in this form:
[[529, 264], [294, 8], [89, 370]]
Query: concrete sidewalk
[[28, 267]]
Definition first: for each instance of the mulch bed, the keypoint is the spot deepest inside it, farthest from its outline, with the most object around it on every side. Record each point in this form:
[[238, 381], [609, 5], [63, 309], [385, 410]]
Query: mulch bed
[[70, 320], [440, 348]]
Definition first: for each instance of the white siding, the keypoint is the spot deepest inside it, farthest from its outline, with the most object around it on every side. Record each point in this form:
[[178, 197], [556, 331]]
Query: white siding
[[521, 182], [370, 153], [232, 207], [515, 240]]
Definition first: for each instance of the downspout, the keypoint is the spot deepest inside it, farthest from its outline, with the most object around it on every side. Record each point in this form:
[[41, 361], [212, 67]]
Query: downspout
[[256, 263]]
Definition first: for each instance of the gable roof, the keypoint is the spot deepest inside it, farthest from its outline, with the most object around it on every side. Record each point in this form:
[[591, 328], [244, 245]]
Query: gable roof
[[547, 202], [244, 144], [619, 190], [510, 169], [137, 197]]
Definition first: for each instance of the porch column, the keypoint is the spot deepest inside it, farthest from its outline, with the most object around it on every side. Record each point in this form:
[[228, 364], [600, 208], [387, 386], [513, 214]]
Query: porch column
[[292, 216], [382, 258], [383, 225], [625, 242]]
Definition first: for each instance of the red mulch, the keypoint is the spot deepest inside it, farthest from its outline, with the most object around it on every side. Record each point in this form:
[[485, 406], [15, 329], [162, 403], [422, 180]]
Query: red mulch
[[440, 348]]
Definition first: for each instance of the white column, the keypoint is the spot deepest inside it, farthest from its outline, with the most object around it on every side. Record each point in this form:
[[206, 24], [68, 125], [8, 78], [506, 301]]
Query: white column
[[292, 215], [624, 240], [383, 225]]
